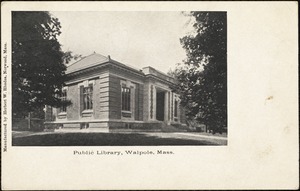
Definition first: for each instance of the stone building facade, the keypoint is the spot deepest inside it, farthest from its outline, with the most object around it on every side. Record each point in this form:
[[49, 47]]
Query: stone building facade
[[107, 95]]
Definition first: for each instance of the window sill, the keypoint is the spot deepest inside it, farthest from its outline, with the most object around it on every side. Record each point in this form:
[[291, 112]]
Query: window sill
[[123, 111], [87, 111], [126, 114], [62, 115]]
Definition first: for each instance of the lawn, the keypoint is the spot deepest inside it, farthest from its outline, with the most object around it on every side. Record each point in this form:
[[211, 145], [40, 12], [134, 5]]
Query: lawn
[[103, 139]]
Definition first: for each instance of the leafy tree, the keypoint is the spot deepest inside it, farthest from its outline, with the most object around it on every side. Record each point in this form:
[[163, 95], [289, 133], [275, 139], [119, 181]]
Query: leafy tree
[[37, 62], [202, 78], [69, 57]]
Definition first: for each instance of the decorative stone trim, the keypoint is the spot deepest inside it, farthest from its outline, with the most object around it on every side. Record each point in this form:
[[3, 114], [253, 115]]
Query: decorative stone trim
[[87, 113], [136, 81], [86, 83], [62, 115], [91, 82]]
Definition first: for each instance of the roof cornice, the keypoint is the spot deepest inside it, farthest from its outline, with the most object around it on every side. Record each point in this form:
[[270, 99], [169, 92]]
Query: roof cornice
[[160, 79], [110, 63]]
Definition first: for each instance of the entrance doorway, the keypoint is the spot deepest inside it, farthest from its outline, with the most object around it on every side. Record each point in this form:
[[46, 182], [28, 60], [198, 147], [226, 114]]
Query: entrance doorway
[[160, 106]]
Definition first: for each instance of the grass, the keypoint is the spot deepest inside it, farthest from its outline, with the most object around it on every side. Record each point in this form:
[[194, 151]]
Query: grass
[[101, 139], [210, 134]]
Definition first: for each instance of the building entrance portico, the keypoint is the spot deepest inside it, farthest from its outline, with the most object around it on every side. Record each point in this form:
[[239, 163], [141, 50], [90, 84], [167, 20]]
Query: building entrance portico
[[162, 104]]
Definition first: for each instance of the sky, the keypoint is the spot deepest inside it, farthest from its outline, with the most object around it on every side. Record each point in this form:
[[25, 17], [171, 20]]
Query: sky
[[138, 39]]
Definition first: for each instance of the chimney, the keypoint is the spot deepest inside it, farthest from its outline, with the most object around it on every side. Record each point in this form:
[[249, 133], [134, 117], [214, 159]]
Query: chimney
[[108, 57]]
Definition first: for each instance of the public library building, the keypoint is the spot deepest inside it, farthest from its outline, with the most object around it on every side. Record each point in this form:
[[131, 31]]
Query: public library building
[[107, 95]]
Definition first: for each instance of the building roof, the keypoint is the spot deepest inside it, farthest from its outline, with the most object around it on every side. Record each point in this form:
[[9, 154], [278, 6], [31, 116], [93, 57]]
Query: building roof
[[86, 62], [150, 71], [96, 59]]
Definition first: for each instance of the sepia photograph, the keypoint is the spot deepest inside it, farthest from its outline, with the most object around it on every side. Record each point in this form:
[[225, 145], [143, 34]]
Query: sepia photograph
[[149, 95], [119, 78]]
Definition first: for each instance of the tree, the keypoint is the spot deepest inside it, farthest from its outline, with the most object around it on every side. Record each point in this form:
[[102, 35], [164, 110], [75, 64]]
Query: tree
[[69, 57], [202, 78], [37, 62]]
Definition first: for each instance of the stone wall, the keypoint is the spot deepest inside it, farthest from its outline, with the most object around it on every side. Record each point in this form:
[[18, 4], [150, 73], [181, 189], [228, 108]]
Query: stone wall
[[139, 101], [116, 75], [114, 97], [146, 101], [101, 98], [107, 100]]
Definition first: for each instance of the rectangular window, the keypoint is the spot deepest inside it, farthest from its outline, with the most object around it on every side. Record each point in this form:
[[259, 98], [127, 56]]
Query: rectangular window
[[88, 97], [126, 99], [63, 98]]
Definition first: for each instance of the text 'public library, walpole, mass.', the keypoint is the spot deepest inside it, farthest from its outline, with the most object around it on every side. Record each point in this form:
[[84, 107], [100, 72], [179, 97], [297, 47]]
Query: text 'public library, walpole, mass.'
[[107, 95]]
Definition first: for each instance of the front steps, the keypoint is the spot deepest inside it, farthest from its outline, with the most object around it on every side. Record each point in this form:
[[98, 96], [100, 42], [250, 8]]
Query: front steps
[[171, 128]]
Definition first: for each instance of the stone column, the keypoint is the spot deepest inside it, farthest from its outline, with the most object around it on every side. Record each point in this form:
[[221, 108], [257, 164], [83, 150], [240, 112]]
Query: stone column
[[166, 108], [151, 102], [172, 106], [154, 102]]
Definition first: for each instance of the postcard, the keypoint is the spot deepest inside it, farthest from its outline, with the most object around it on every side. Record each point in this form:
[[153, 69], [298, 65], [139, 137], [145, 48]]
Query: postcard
[[149, 95]]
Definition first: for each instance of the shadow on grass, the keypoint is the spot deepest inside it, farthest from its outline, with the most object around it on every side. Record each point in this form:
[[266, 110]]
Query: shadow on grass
[[101, 139]]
